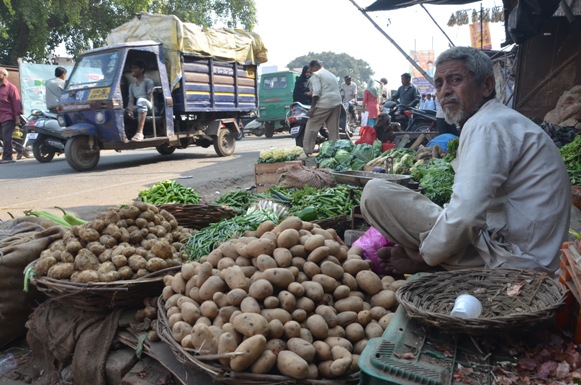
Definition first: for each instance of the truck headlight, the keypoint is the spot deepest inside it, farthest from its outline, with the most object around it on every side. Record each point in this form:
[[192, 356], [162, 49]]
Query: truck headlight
[[62, 121], [100, 117]]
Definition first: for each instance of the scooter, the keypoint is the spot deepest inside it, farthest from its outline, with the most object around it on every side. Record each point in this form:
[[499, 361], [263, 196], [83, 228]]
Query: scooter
[[410, 118], [49, 140]]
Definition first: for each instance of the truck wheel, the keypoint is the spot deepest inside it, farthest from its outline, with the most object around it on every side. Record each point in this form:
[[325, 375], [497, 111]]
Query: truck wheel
[[165, 149], [240, 135], [79, 154], [269, 129], [224, 142], [41, 151]]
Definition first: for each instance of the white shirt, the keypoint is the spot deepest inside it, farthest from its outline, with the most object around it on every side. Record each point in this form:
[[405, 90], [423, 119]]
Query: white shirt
[[54, 88], [348, 91], [511, 198], [324, 85]]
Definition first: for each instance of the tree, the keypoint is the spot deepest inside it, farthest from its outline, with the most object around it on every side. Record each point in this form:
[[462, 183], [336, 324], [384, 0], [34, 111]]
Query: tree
[[32, 29], [340, 65]]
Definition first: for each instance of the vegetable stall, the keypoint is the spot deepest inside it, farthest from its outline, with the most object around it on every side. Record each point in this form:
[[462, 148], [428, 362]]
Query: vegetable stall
[[256, 287]]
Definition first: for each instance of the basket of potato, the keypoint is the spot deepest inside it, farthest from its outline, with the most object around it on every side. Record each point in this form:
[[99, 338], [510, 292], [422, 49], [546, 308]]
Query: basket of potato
[[115, 260], [286, 304]]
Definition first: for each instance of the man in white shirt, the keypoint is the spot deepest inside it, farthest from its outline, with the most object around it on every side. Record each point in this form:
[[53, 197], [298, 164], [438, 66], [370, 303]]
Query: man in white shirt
[[511, 199], [325, 107], [349, 93], [54, 88]]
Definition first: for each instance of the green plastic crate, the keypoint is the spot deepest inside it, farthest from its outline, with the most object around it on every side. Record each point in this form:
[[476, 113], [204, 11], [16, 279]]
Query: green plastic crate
[[433, 357]]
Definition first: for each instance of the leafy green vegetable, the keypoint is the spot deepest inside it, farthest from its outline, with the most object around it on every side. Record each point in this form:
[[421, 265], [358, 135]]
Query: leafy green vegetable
[[239, 200], [343, 157], [571, 154], [437, 179]]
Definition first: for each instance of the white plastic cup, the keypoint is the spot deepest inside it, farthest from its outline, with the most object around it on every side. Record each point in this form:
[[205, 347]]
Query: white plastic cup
[[466, 306]]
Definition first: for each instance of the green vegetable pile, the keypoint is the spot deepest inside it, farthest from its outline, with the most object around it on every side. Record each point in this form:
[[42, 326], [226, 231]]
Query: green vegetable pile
[[571, 154], [169, 191], [273, 155], [312, 204], [437, 179], [208, 238], [238, 200], [345, 155]]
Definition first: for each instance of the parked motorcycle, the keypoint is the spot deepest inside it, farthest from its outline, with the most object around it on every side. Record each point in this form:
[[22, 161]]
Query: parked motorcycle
[[49, 140], [298, 116], [410, 118]]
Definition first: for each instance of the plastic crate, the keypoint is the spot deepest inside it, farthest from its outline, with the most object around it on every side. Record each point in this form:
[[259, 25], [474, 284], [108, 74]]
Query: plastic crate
[[409, 353]]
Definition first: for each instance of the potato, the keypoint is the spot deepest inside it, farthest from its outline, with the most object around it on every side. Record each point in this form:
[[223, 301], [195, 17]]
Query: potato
[[349, 281], [311, 269], [397, 284], [190, 312], [364, 317], [279, 314], [288, 238], [328, 314], [276, 329], [354, 332], [325, 369], [288, 223], [340, 367], [354, 266], [378, 312], [385, 299], [178, 284], [355, 250], [212, 285], [225, 263], [341, 291], [313, 290], [369, 282], [301, 347], [226, 344], [337, 331], [261, 289], [214, 258], [275, 345], [299, 315], [332, 270], [287, 301], [298, 251], [250, 324], [264, 262], [296, 289], [234, 277], [329, 284], [325, 233], [249, 305], [84, 276], [339, 341], [318, 254], [180, 329], [110, 276], [317, 326], [313, 242], [251, 349], [264, 227], [282, 256], [209, 309], [373, 330], [306, 335], [61, 271], [385, 320], [292, 365], [351, 303], [264, 363], [292, 329], [271, 302], [203, 339], [260, 246], [359, 346], [235, 296], [220, 299], [279, 277], [306, 304], [205, 271]]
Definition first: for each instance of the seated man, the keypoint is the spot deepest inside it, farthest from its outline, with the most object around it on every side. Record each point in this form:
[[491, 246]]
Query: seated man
[[511, 198], [139, 97]]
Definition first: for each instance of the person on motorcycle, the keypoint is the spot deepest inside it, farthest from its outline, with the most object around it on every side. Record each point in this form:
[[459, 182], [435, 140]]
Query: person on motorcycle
[[325, 108], [511, 200], [139, 97], [54, 88], [407, 95], [301, 92]]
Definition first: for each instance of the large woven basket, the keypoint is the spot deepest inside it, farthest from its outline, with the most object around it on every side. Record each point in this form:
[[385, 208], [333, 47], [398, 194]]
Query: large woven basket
[[198, 216], [430, 299], [101, 295], [209, 363]]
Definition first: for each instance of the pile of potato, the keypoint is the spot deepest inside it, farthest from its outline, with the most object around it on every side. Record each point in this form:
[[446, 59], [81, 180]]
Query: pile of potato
[[291, 297], [120, 244]]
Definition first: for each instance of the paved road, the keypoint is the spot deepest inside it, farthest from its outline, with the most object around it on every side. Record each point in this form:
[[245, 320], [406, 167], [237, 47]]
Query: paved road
[[117, 179]]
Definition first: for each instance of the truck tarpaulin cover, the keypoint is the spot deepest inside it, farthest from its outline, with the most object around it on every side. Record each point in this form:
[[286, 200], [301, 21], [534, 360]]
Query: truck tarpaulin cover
[[222, 43]]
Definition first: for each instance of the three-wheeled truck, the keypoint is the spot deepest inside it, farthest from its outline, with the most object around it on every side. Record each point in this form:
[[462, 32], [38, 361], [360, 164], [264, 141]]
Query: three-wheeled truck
[[201, 91]]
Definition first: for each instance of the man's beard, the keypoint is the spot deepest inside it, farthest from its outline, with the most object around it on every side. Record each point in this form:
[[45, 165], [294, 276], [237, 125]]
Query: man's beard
[[459, 115]]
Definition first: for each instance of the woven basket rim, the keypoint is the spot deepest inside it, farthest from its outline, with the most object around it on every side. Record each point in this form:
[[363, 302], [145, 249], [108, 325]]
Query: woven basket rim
[[429, 299], [220, 373]]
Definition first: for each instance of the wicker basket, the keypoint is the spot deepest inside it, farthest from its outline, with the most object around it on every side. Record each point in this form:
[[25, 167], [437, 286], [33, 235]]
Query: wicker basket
[[430, 298], [340, 223], [198, 216], [101, 295], [209, 362]]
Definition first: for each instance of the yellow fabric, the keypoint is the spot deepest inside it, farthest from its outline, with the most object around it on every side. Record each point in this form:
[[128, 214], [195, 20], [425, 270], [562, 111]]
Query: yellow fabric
[[222, 43]]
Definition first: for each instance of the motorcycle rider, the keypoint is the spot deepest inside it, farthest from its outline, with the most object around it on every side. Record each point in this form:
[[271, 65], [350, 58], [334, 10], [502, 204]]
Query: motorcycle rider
[[301, 92], [54, 88], [408, 95], [349, 94]]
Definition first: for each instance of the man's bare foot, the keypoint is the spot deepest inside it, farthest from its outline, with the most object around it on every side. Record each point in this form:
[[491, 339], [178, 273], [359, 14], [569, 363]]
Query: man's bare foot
[[395, 260]]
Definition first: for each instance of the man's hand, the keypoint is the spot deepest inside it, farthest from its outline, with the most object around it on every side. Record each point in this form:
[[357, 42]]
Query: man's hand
[[311, 112]]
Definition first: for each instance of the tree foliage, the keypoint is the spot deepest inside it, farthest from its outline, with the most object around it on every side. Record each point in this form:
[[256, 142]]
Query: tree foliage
[[339, 64], [32, 29]]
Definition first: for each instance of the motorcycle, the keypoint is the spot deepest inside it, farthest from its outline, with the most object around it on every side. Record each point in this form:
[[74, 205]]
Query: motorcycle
[[298, 116], [44, 128], [411, 119], [21, 142]]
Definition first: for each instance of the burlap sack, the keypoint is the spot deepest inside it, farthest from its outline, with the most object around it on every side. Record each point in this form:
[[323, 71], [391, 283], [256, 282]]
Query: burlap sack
[[298, 176], [567, 112], [21, 241]]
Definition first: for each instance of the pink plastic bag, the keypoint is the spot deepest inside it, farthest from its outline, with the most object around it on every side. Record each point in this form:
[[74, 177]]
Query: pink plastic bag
[[371, 241]]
